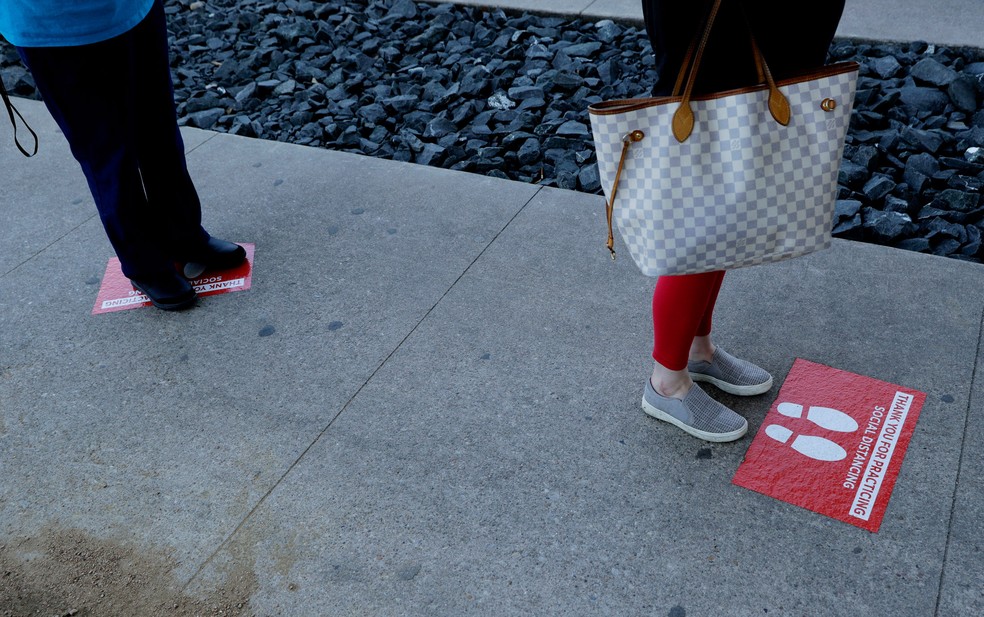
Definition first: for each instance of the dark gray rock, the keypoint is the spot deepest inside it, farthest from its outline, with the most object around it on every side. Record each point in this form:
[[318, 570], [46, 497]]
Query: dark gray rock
[[267, 85], [972, 245], [938, 226], [532, 104], [289, 33], [440, 127], [538, 51], [928, 212], [286, 87], [521, 93], [922, 140], [584, 50], [476, 83], [428, 38], [246, 93], [925, 164], [924, 99], [867, 157], [896, 204], [964, 93], [946, 247], [851, 174], [202, 102], [401, 104], [373, 113], [954, 200], [849, 229], [970, 138], [573, 128], [919, 245], [414, 143], [430, 154], [607, 31], [885, 67], [529, 152], [401, 10], [878, 187], [932, 72], [847, 208], [916, 180], [205, 119], [886, 226], [588, 179], [966, 184]]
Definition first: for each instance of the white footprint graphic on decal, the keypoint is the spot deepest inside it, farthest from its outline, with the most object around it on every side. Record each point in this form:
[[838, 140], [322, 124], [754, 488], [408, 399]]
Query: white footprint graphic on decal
[[824, 417], [817, 448]]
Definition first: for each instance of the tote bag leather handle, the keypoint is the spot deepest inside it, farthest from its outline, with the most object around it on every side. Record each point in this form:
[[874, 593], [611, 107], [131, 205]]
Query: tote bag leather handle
[[627, 140], [683, 118]]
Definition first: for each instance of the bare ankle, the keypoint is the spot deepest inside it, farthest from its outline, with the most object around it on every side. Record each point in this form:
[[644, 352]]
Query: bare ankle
[[671, 384], [702, 349]]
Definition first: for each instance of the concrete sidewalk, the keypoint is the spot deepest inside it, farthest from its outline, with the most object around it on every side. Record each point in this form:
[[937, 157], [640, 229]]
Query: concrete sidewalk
[[445, 419], [428, 404]]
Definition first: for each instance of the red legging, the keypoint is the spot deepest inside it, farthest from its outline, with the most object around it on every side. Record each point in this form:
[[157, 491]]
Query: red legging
[[682, 309]]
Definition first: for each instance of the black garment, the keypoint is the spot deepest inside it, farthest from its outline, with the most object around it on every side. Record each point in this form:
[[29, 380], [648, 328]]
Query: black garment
[[792, 37], [114, 101]]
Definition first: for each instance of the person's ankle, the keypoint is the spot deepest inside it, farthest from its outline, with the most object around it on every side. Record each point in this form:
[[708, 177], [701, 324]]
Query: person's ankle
[[672, 388], [701, 352]]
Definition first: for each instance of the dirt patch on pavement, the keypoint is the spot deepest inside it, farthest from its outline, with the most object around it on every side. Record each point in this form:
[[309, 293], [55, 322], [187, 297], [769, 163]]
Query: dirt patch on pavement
[[68, 573]]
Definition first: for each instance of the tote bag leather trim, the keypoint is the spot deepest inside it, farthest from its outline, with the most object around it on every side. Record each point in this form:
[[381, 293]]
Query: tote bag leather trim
[[616, 106]]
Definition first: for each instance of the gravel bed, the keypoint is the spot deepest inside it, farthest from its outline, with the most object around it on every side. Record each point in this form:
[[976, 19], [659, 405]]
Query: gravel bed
[[505, 94]]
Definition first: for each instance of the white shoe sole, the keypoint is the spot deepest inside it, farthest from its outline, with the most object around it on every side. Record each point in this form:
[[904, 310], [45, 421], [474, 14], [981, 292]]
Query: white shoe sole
[[730, 388], [659, 414]]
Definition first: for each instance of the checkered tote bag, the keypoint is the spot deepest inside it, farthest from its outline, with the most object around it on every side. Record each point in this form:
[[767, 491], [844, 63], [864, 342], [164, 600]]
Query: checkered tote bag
[[726, 180]]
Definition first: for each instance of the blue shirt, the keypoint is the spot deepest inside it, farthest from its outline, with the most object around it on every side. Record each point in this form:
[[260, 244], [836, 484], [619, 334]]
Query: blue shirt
[[66, 23]]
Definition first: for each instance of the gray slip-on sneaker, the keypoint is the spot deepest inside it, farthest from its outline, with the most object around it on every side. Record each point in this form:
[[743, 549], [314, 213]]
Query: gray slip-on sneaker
[[697, 414], [730, 374]]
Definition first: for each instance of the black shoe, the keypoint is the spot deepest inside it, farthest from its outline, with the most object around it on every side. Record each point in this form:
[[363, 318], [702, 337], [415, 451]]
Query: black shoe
[[168, 292], [216, 254]]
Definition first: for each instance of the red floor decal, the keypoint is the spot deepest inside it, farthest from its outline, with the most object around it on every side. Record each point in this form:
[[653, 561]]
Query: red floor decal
[[117, 293], [833, 443]]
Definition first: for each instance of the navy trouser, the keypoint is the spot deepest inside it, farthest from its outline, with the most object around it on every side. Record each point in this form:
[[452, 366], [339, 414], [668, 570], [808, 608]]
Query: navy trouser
[[114, 101]]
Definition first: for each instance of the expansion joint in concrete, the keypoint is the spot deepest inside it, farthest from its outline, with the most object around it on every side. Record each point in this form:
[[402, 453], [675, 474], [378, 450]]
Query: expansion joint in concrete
[[975, 373], [331, 422]]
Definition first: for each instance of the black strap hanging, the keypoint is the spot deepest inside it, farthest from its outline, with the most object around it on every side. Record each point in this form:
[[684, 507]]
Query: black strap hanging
[[11, 110]]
